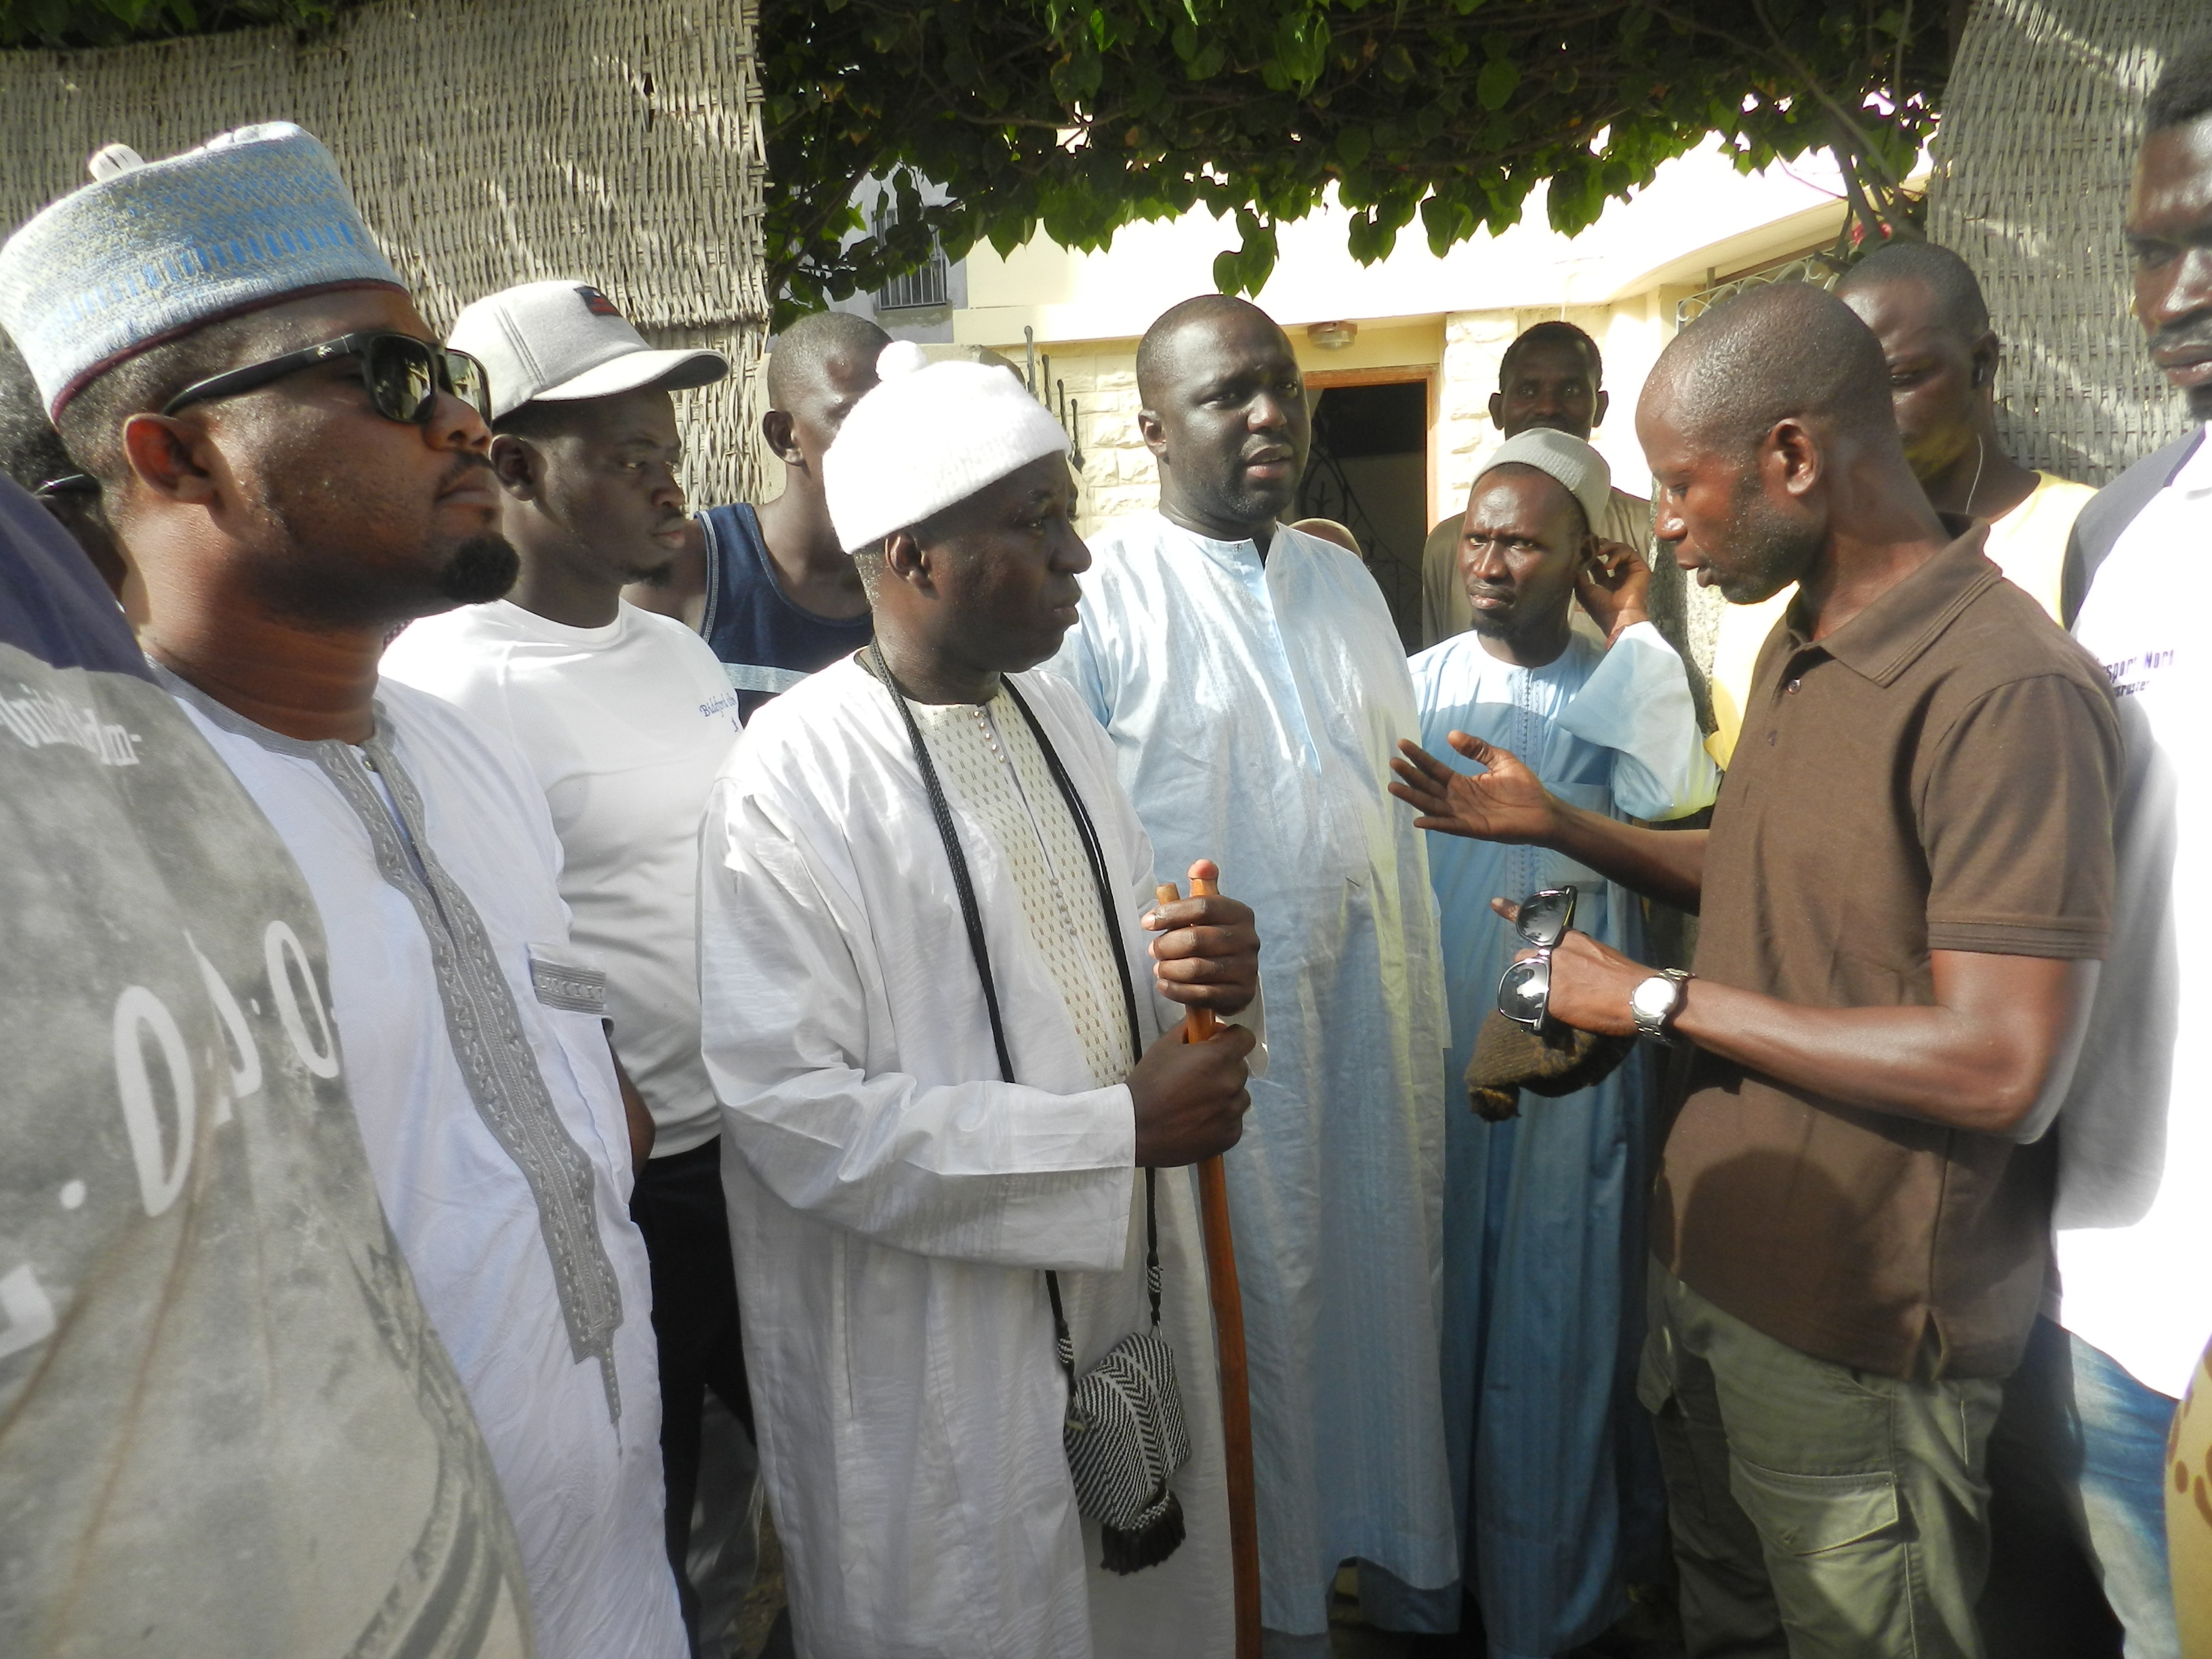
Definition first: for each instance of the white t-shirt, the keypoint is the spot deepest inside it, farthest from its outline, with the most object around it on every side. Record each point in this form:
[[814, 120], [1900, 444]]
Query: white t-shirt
[[480, 1078], [2134, 1232], [624, 728]]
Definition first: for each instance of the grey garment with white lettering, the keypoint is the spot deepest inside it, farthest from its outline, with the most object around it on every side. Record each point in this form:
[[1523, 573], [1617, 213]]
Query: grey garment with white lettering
[[485, 1027], [224, 1415]]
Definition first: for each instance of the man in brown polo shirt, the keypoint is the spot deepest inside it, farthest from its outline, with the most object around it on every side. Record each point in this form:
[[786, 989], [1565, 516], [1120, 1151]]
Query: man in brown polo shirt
[[1905, 892]]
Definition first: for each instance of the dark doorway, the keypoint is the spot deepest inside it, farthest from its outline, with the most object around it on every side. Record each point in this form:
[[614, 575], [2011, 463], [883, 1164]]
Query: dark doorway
[[1369, 471]]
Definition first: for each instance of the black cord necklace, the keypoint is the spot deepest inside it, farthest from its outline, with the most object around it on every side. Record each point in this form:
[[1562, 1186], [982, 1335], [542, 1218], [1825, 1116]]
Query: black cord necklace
[[971, 913]]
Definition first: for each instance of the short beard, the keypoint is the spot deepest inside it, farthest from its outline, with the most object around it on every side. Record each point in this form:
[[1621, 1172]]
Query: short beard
[[1494, 625], [482, 568], [1253, 505], [1774, 552], [1262, 506], [315, 570], [327, 597], [2200, 401], [659, 576]]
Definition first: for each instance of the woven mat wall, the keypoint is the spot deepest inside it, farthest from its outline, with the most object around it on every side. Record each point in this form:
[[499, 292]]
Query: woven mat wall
[[2041, 127], [488, 143]]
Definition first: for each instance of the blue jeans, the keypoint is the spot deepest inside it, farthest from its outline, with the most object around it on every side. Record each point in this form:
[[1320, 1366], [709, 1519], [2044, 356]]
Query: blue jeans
[[2080, 1447]]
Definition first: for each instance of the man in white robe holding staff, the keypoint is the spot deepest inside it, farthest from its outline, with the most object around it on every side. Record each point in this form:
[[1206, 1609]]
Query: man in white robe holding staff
[[958, 1111]]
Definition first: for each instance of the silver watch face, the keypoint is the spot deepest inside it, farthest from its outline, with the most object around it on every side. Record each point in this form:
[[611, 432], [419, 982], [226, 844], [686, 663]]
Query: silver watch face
[[1654, 999]]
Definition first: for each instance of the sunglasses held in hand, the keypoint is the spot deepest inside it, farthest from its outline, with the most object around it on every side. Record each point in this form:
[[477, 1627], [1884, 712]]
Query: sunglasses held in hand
[[1524, 990]]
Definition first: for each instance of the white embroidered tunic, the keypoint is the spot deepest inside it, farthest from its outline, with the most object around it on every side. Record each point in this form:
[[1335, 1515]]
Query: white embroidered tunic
[[486, 1096]]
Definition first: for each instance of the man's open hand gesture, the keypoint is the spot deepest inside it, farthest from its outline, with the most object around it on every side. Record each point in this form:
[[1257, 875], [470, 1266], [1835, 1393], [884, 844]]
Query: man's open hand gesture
[[1503, 802]]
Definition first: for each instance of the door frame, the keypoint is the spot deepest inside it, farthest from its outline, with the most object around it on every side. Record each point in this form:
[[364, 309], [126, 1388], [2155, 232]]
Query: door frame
[[1318, 380]]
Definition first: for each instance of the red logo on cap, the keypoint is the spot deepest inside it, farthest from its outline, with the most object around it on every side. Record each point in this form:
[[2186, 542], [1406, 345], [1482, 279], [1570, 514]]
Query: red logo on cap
[[598, 303]]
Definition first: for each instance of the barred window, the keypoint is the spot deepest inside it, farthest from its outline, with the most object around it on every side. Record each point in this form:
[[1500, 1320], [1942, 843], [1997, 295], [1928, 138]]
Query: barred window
[[929, 286]]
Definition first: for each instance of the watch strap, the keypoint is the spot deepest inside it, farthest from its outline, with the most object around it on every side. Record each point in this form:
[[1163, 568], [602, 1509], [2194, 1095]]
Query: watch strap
[[1661, 1026]]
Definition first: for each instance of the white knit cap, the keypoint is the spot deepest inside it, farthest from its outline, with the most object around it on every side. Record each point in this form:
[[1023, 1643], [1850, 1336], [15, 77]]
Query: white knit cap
[[1578, 468], [927, 435]]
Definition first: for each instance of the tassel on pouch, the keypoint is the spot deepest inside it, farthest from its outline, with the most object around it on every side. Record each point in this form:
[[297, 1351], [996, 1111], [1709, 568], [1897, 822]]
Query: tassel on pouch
[[1148, 1545]]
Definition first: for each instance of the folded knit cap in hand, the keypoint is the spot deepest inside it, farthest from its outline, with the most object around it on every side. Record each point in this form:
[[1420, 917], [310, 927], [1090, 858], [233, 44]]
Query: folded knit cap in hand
[[927, 435], [1560, 1060]]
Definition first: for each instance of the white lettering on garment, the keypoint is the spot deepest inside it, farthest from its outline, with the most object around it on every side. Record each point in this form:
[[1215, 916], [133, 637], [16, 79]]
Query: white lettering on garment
[[38, 718]]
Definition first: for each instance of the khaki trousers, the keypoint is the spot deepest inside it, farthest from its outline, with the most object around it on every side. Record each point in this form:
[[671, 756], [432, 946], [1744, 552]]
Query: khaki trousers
[[1818, 1512]]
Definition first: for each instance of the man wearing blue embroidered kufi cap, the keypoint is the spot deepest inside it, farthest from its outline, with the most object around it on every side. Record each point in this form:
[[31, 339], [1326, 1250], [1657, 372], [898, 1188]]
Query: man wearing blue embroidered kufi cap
[[296, 468]]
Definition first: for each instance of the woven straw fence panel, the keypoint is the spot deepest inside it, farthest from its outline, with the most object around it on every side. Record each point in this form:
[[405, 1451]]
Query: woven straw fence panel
[[2041, 127], [488, 143], [725, 457]]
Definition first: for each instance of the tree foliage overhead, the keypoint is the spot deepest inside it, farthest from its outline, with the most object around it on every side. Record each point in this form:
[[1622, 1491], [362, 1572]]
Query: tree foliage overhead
[[62, 23], [1078, 117]]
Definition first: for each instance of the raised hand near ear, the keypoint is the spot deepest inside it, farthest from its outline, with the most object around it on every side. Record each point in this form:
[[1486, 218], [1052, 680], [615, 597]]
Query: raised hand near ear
[[1504, 802], [1614, 586]]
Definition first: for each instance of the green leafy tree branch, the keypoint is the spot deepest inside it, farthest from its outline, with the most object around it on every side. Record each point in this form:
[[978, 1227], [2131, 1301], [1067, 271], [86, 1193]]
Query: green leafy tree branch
[[1078, 117]]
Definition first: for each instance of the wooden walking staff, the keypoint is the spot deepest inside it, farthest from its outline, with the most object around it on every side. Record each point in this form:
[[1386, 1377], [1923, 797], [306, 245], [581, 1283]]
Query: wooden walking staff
[[1198, 1024]]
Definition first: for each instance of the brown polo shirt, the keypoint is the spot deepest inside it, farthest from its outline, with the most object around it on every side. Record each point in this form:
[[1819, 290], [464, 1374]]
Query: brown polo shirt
[[1937, 775]]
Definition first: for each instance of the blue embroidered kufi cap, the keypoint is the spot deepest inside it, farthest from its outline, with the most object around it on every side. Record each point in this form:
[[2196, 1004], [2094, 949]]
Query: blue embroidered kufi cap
[[153, 249]]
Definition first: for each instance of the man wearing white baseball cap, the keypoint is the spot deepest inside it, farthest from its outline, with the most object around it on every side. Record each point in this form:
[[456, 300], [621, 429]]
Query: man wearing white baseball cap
[[1553, 1468], [565, 342], [924, 916], [623, 718]]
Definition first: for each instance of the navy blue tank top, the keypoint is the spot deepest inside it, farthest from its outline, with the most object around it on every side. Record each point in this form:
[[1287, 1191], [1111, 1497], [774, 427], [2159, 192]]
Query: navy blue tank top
[[767, 644]]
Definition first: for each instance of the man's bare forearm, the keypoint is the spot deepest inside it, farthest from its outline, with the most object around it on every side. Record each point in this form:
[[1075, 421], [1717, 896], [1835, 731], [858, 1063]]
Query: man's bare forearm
[[1993, 1053], [1665, 865], [637, 1116], [1983, 1065]]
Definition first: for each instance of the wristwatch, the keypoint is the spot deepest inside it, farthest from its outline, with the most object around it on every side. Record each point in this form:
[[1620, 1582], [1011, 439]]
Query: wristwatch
[[1655, 1001]]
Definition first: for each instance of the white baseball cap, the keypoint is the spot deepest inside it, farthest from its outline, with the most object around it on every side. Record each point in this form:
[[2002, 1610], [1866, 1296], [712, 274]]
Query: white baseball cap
[[560, 342]]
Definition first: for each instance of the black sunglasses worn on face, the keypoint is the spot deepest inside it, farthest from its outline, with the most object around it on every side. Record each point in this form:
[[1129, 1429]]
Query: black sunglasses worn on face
[[402, 375], [1524, 990]]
